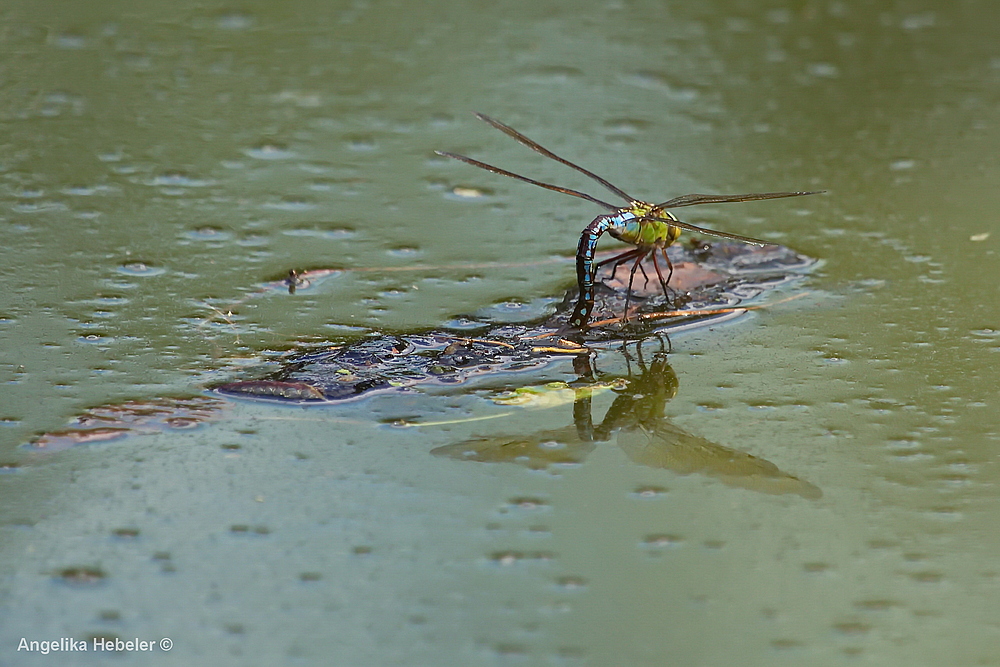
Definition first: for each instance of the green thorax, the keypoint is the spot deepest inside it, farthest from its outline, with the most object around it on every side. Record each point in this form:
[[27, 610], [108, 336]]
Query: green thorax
[[639, 232]]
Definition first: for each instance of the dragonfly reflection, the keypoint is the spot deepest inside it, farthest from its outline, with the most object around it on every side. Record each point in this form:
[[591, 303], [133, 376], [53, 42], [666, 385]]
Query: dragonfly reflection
[[643, 433]]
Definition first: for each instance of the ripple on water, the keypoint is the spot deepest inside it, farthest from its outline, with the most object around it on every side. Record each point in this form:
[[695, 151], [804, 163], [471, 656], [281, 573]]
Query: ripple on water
[[140, 269], [507, 558], [658, 541], [125, 534], [178, 179], [571, 583], [526, 503], [270, 151], [648, 492], [334, 233], [660, 81], [94, 339], [208, 233], [404, 252], [514, 311], [289, 204]]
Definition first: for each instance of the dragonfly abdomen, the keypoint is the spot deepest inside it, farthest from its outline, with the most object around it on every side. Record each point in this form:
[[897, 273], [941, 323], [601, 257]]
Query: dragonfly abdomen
[[585, 268]]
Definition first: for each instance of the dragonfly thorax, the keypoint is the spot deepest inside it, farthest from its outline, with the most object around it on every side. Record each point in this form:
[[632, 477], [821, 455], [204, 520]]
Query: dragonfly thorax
[[635, 227]]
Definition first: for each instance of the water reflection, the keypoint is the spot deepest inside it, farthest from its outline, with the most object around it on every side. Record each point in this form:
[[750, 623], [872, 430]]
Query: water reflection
[[643, 432]]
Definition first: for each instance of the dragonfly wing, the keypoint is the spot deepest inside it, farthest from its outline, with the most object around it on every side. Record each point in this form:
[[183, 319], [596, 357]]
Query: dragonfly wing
[[538, 148], [694, 200], [547, 186], [711, 232]]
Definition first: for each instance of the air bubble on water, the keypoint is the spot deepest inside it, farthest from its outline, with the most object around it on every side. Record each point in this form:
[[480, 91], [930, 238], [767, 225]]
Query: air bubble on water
[[464, 192], [289, 204], [270, 151], [649, 492], [140, 269]]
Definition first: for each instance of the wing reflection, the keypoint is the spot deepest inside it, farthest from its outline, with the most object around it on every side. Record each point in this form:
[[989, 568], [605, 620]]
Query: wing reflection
[[643, 433]]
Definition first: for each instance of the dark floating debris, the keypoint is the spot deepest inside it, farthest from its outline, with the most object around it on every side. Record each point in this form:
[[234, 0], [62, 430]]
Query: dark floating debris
[[716, 281]]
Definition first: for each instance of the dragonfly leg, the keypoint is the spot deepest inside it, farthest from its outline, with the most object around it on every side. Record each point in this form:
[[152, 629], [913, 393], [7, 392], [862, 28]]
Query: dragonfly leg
[[670, 266], [631, 279], [663, 283], [618, 260], [644, 276]]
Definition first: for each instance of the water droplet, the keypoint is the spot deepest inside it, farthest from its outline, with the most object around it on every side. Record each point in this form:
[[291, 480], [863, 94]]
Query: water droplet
[[511, 557], [571, 583], [649, 491], [465, 192], [290, 204], [403, 252], [82, 576], [140, 269], [527, 503], [335, 233], [270, 151], [178, 179], [207, 234], [661, 541]]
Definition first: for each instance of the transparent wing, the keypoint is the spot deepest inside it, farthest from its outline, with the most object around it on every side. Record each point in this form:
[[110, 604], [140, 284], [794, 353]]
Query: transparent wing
[[694, 200], [547, 186], [535, 146], [710, 232]]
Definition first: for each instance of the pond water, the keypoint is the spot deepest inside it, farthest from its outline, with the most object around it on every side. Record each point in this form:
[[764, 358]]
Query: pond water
[[162, 162]]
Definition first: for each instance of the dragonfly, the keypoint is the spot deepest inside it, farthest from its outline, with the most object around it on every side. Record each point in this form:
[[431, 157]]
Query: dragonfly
[[651, 228]]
